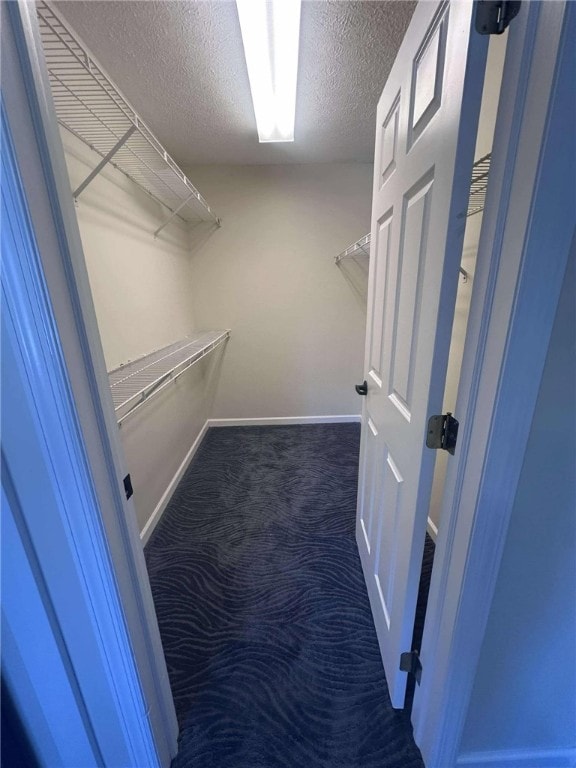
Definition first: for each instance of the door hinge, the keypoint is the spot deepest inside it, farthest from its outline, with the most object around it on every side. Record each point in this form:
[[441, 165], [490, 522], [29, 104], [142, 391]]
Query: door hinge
[[410, 662], [128, 490], [493, 16], [442, 432]]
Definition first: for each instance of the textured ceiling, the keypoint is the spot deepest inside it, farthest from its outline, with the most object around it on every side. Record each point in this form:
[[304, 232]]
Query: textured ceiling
[[181, 65]]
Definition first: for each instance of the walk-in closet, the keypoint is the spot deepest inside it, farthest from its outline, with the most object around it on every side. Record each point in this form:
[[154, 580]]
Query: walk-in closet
[[216, 297], [263, 324], [226, 292], [245, 280]]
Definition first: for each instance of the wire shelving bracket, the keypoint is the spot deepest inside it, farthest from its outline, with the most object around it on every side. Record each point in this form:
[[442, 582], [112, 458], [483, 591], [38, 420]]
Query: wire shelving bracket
[[359, 248], [137, 381], [478, 185], [93, 109], [476, 203]]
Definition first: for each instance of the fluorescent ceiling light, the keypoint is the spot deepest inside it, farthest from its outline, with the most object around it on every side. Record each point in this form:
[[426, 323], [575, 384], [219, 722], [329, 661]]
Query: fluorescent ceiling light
[[270, 33]]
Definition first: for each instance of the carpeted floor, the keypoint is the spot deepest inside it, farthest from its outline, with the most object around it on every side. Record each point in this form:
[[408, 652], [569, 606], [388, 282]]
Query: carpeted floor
[[263, 611]]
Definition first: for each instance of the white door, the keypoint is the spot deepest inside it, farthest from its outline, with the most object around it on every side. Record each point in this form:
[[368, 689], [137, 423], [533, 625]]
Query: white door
[[426, 130]]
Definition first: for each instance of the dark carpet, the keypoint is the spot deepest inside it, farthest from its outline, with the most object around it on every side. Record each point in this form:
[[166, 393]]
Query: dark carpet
[[263, 611]]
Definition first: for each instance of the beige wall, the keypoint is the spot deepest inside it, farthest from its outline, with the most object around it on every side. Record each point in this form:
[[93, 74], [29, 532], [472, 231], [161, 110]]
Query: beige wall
[[157, 437], [139, 284], [298, 326], [142, 300]]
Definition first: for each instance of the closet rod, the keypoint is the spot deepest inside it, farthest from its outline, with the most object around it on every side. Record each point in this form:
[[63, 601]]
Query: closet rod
[[159, 389]]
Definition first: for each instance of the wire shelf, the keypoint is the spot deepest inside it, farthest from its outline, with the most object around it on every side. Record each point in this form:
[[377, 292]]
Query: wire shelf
[[91, 107], [479, 184], [138, 380], [476, 202], [359, 248]]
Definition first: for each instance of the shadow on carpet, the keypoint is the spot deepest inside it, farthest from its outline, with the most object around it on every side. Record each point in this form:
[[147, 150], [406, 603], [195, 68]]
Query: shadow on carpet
[[263, 611]]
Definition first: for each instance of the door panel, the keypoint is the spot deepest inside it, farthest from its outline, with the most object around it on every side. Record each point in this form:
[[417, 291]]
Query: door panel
[[428, 75], [379, 283], [385, 561], [425, 135], [389, 142], [370, 446], [409, 275]]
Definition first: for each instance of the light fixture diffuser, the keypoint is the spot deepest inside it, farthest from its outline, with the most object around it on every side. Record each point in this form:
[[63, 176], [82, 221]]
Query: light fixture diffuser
[[271, 34]]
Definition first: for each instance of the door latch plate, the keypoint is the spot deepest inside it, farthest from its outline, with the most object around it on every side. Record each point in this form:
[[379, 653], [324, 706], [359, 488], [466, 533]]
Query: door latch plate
[[442, 432]]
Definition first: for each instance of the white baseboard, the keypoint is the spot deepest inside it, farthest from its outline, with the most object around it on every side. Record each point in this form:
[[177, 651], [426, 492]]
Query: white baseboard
[[167, 495], [520, 758], [432, 530], [280, 420]]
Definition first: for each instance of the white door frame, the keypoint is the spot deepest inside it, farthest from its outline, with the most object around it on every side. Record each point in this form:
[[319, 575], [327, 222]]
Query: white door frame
[[113, 531], [528, 226]]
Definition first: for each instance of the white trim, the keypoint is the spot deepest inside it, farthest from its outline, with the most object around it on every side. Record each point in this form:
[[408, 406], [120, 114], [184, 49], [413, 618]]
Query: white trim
[[42, 167], [154, 518], [69, 565], [432, 529], [523, 758], [513, 308], [280, 420]]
